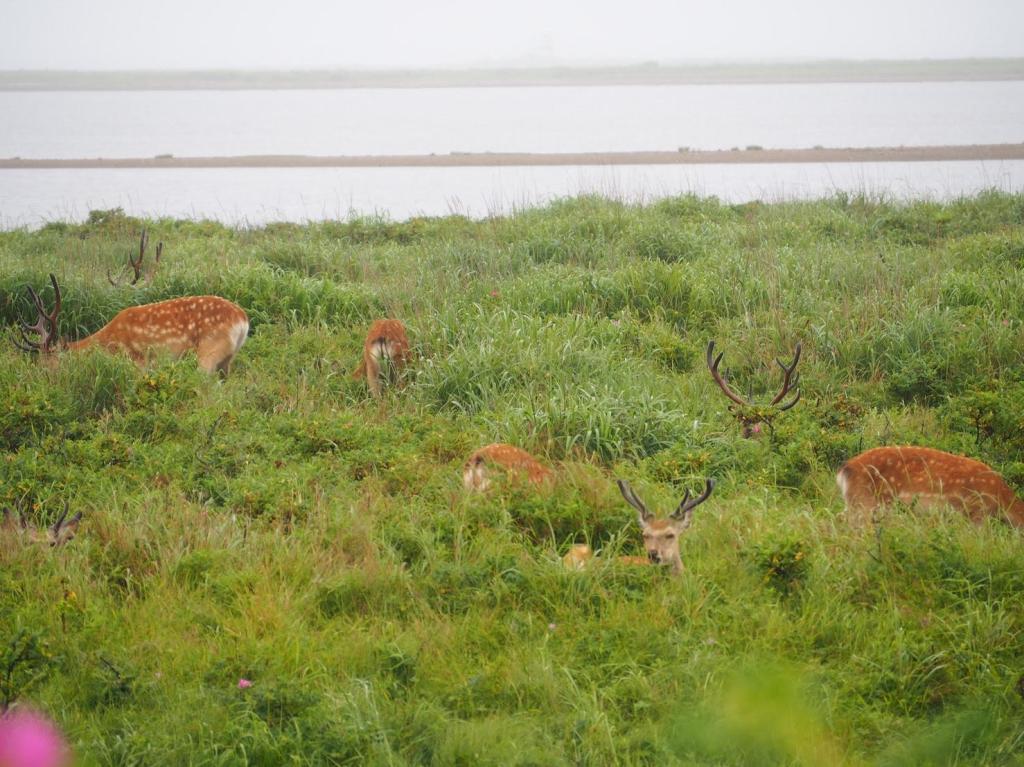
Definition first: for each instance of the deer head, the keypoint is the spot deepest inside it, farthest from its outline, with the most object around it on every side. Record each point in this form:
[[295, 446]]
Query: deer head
[[46, 324], [661, 536], [136, 263], [750, 415], [57, 534]]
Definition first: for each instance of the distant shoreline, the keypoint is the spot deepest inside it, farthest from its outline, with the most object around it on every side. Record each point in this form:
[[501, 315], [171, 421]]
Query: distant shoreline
[[650, 73], [493, 159]]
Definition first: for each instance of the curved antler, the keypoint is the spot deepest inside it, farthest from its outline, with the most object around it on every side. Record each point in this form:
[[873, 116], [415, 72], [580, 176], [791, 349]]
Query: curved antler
[[60, 520], [687, 505], [632, 500], [136, 263], [789, 381], [46, 322], [713, 367]]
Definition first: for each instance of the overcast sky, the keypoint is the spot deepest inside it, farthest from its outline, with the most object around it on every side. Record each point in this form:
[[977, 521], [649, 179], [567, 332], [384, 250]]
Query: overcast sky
[[299, 34]]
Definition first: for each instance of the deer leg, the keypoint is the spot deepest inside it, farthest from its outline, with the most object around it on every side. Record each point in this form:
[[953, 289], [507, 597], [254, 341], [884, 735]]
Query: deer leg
[[215, 355], [373, 374]]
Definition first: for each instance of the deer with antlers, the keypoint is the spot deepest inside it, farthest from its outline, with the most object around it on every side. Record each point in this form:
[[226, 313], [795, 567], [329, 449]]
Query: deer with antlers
[[480, 467], [661, 534], [136, 263], [213, 327], [57, 534], [750, 415], [879, 477], [386, 342]]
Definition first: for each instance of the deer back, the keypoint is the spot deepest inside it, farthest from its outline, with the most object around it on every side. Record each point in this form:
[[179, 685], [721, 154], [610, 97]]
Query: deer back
[[929, 477], [513, 460]]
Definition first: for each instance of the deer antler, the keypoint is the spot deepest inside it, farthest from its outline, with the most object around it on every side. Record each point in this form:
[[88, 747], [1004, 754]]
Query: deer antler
[[687, 505], [713, 367], [46, 322], [633, 500], [789, 381], [754, 414], [136, 263]]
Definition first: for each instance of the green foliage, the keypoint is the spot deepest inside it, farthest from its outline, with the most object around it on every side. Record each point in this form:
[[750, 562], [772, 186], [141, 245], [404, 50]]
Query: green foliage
[[25, 660], [284, 527], [781, 563]]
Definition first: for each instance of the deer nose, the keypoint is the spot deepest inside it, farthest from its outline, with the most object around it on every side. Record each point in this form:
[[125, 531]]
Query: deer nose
[[654, 556]]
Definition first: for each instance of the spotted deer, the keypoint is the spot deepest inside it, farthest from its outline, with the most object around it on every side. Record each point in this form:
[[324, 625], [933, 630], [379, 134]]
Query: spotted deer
[[213, 327], [57, 534], [752, 417], [932, 478], [385, 341], [479, 469], [661, 535]]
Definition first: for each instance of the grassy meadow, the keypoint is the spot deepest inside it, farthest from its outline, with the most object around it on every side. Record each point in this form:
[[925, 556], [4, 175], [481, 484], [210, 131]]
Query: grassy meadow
[[285, 528]]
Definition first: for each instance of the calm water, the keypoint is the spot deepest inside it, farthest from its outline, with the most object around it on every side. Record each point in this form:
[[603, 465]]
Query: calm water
[[144, 124], [256, 195]]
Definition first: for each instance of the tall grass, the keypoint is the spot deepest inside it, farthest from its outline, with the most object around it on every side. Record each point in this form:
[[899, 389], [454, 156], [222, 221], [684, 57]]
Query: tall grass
[[285, 528]]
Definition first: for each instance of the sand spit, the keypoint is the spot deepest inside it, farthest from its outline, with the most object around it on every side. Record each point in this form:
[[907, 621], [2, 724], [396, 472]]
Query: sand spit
[[488, 159], [538, 75]]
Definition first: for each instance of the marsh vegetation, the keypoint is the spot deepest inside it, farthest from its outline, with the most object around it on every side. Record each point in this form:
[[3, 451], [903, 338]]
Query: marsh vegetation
[[285, 529]]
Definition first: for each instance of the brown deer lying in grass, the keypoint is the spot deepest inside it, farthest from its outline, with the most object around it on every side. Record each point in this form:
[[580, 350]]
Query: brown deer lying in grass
[[386, 340], [213, 327], [479, 469], [750, 416], [57, 534], [884, 475], [661, 535], [136, 263]]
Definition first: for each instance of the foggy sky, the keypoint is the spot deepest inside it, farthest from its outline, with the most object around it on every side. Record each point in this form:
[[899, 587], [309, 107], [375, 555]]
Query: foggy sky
[[303, 34]]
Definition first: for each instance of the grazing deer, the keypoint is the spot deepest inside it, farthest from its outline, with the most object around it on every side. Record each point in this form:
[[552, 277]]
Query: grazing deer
[[661, 536], [136, 263], [884, 475], [213, 327], [750, 415], [57, 534], [386, 340], [479, 468]]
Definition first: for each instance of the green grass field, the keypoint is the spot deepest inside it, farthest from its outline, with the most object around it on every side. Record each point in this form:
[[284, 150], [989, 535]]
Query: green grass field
[[284, 528]]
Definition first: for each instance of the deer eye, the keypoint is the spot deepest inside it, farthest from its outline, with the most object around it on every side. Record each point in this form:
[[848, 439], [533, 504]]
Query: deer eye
[[670, 536]]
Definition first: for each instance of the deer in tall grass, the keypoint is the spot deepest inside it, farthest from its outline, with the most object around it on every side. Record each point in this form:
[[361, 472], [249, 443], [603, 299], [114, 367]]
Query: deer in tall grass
[[879, 477], [136, 263], [387, 342], [661, 534], [57, 534], [213, 327], [480, 468], [752, 417]]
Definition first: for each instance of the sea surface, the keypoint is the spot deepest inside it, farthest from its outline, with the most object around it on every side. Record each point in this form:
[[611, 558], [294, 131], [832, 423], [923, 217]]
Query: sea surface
[[113, 124]]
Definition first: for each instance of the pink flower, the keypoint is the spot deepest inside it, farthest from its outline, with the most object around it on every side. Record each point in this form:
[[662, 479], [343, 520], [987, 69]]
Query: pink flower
[[28, 739], [495, 294], [244, 684]]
